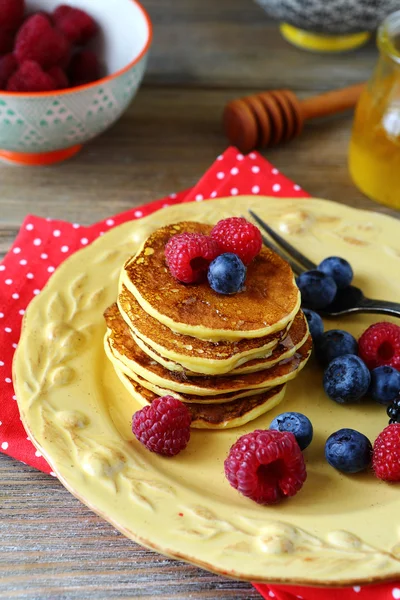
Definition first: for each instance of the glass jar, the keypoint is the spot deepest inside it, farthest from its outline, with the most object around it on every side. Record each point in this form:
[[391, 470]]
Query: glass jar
[[374, 155]]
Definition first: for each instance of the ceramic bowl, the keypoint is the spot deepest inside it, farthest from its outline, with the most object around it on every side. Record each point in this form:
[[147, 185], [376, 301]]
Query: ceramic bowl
[[46, 127], [328, 25]]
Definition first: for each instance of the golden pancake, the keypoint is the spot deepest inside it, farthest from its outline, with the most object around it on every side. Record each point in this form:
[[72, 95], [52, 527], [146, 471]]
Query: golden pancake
[[183, 352], [294, 337], [268, 303], [215, 416], [290, 370], [123, 351]]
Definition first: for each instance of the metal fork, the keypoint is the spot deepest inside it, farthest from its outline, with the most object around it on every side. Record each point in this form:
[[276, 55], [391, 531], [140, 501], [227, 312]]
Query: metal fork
[[347, 301]]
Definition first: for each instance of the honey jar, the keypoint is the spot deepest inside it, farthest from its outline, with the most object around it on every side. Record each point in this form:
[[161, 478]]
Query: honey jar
[[374, 154]]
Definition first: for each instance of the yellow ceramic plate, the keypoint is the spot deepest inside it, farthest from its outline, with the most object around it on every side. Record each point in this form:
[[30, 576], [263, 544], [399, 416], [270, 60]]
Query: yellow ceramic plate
[[337, 530]]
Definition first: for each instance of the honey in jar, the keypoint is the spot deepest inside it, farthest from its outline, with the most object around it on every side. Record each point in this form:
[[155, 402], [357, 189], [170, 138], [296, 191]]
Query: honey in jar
[[374, 155]]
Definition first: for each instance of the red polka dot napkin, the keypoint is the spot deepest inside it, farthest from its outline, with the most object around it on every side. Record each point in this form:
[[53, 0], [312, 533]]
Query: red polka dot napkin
[[43, 244]]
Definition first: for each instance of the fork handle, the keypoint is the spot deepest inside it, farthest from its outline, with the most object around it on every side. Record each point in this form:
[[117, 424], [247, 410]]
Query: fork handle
[[381, 307]]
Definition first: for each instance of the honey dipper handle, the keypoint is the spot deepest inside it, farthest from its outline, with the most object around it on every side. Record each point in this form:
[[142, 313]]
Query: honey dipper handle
[[331, 102]]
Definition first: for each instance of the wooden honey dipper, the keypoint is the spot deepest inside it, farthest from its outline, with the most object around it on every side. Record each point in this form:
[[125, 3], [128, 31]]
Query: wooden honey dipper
[[268, 118]]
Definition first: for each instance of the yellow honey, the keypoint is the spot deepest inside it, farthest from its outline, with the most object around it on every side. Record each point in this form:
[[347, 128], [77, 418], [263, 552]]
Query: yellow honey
[[374, 155]]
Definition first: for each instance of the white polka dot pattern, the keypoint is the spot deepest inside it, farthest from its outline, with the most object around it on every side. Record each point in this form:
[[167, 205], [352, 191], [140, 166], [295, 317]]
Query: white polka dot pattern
[[384, 591]]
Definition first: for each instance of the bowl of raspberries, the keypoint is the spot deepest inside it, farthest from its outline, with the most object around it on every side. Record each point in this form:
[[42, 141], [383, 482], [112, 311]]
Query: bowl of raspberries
[[67, 73]]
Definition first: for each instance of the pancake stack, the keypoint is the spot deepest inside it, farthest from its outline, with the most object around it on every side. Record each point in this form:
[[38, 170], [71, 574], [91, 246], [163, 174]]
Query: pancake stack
[[228, 358]]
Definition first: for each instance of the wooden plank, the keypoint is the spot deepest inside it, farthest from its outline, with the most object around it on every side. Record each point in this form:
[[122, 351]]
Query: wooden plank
[[165, 142], [54, 547], [233, 44]]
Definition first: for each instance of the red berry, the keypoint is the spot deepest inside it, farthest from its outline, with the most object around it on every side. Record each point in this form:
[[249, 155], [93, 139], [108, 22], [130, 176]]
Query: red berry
[[76, 24], [7, 38], [30, 77], [48, 15], [11, 14], [8, 66], [38, 40], [266, 466], [84, 68], [189, 256], [59, 77], [163, 426], [386, 455], [238, 236], [380, 345]]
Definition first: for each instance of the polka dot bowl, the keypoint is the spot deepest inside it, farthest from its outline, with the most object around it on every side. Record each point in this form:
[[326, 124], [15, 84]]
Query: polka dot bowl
[[47, 127]]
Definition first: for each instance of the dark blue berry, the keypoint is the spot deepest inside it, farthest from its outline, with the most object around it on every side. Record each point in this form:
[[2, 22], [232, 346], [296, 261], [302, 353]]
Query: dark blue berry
[[296, 423], [227, 274], [315, 324], [348, 451], [385, 384], [339, 269], [317, 289], [346, 379], [393, 411], [334, 343]]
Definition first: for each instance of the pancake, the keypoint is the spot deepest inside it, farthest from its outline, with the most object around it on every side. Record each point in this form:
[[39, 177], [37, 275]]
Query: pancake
[[268, 303], [290, 369], [183, 352], [294, 337], [246, 365], [215, 416], [187, 398], [121, 348]]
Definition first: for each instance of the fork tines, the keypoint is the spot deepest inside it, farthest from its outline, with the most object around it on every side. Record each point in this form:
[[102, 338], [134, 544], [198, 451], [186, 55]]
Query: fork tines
[[294, 257]]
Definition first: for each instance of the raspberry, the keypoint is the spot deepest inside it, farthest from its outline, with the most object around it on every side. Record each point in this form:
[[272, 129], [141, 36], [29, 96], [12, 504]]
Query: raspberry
[[6, 40], [59, 77], [380, 345], [163, 426], [76, 24], [189, 255], [11, 14], [37, 40], [8, 66], [84, 68], [266, 466], [386, 456], [48, 15], [238, 236], [30, 77]]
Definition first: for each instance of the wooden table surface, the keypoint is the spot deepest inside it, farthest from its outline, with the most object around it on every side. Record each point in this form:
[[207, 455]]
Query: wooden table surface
[[204, 53]]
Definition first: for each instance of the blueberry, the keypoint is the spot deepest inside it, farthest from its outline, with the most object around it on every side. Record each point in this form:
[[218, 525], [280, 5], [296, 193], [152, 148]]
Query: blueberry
[[346, 379], [385, 384], [227, 274], [393, 411], [334, 343], [315, 324], [348, 451], [339, 269], [317, 289], [296, 423]]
